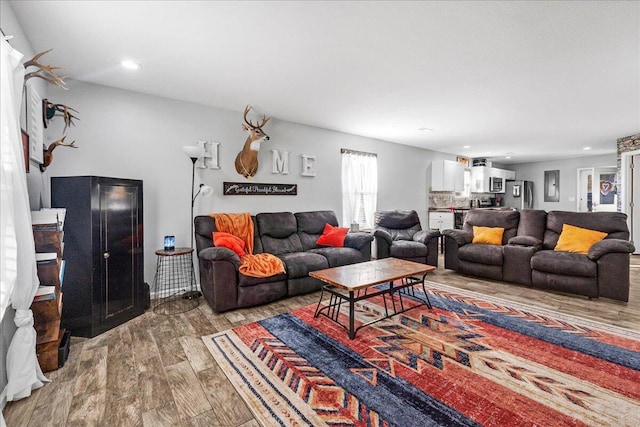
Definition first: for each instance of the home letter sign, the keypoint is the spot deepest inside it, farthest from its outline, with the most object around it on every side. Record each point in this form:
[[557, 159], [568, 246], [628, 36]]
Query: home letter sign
[[210, 157], [307, 165], [280, 164]]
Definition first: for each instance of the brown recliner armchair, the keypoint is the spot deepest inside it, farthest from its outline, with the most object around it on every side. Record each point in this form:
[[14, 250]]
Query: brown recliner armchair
[[398, 234]]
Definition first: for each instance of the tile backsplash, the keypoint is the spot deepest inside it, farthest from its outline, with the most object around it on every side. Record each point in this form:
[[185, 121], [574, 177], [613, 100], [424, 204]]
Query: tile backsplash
[[441, 199]]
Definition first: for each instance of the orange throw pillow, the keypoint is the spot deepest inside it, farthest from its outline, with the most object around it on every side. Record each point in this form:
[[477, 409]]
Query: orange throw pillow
[[332, 236], [488, 235], [229, 241], [578, 239]]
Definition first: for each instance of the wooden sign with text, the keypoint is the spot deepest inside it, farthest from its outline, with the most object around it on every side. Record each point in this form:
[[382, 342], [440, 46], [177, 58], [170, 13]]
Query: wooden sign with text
[[259, 189]]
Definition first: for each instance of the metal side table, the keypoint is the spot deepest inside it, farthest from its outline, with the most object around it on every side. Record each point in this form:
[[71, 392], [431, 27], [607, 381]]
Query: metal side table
[[175, 282]]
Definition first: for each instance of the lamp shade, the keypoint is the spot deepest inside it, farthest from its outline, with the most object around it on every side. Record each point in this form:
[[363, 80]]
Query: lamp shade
[[193, 151], [206, 190]]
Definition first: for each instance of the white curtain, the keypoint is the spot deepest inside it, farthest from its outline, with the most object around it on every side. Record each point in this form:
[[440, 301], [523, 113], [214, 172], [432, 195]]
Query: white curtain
[[359, 188], [18, 274]]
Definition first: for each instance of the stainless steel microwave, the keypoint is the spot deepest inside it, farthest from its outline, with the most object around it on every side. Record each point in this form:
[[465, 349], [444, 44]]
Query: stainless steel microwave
[[496, 185]]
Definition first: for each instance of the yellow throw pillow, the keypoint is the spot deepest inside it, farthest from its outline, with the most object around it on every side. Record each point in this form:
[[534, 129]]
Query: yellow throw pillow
[[577, 239], [488, 235]]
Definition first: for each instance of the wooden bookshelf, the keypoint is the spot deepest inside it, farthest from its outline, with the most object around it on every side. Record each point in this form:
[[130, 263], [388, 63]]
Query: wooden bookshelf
[[48, 238]]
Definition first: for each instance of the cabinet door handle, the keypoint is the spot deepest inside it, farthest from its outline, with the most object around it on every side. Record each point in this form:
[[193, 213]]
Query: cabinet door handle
[[105, 255]]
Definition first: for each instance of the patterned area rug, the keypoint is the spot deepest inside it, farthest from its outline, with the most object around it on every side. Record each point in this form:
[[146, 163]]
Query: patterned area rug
[[471, 360]]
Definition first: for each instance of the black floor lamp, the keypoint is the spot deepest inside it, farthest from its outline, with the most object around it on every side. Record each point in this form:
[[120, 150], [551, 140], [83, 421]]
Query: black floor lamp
[[194, 152]]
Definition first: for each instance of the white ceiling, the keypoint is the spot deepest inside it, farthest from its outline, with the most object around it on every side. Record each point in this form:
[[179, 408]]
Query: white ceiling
[[539, 79]]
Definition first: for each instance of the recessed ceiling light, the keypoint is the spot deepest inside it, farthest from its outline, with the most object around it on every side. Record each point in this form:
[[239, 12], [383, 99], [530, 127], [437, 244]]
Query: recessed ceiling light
[[424, 129], [131, 65], [507, 157], [466, 146], [587, 148]]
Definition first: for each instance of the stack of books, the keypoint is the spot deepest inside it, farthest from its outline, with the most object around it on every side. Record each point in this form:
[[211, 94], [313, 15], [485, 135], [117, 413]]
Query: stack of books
[[48, 237]]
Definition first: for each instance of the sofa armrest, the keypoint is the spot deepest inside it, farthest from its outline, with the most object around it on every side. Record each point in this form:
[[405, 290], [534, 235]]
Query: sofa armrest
[[608, 246], [425, 236], [525, 241], [382, 234], [358, 240], [459, 236], [219, 254]]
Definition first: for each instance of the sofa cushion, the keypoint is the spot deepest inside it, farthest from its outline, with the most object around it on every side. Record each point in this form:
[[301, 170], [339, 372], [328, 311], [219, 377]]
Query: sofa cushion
[[481, 253], [311, 225], [506, 219], [299, 264], [339, 256], [332, 236], [244, 280], [578, 239], [564, 263], [532, 223], [408, 249], [400, 224], [612, 223], [278, 232], [488, 235]]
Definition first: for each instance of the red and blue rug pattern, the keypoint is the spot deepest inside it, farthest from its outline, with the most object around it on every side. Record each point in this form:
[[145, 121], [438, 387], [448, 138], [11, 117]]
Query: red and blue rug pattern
[[472, 360]]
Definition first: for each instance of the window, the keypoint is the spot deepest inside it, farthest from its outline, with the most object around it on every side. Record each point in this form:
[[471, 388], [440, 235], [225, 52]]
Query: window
[[359, 188]]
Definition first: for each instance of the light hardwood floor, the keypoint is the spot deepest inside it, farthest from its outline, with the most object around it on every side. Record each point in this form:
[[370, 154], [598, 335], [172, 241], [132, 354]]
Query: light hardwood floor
[[156, 371]]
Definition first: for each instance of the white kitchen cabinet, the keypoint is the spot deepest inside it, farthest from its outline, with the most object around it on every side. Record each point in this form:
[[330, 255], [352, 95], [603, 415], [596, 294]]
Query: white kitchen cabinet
[[447, 175], [510, 175], [480, 179], [441, 220]]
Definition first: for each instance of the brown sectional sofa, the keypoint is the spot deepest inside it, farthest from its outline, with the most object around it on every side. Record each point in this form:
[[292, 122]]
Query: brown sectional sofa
[[292, 238], [527, 254]]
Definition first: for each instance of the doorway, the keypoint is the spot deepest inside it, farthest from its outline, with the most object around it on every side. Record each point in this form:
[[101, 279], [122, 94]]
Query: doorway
[[597, 189]]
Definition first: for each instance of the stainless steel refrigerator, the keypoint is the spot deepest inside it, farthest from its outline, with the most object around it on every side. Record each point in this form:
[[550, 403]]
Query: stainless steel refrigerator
[[518, 195]]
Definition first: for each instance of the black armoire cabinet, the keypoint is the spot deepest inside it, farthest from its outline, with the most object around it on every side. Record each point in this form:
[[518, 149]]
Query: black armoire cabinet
[[103, 248]]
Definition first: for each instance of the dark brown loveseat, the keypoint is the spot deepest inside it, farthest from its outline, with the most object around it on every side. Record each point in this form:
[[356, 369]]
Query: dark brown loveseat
[[292, 238], [527, 254]]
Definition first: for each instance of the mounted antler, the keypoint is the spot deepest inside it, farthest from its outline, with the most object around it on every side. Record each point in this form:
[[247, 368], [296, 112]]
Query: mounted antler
[[51, 110], [48, 152], [45, 72], [247, 160], [249, 124]]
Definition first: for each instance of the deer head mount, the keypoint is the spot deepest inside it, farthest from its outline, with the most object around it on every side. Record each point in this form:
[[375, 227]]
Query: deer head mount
[[44, 72], [247, 159], [51, 110], [48, 152]]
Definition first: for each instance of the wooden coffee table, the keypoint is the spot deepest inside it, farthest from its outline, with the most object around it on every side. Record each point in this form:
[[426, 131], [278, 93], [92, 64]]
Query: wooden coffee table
[[351, 283]]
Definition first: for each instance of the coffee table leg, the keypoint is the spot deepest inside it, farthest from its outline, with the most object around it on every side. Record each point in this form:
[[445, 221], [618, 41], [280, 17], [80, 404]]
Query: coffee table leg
[[426, 295], [318, 307], [352, 332]]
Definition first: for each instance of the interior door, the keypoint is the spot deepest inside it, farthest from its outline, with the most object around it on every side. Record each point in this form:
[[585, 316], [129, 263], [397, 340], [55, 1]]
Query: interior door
[[605, 195], [585, 190], [119, 241]]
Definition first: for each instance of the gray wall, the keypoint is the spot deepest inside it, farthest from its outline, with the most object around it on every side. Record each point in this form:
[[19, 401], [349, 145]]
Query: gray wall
[[568, 178], [130, 135]]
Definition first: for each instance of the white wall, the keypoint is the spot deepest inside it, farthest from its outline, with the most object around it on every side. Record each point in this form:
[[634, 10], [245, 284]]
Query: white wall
[[568, 178], [129, 135]]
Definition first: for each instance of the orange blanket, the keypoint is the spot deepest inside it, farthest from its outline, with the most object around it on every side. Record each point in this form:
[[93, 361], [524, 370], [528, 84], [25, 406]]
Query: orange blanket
[[254, 265]]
